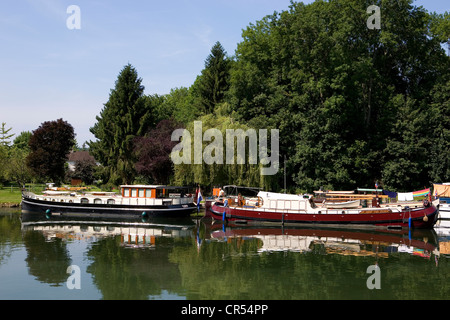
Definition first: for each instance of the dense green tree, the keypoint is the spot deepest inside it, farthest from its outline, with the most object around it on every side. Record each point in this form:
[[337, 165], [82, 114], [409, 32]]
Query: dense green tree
[[352, 103], [17, 169], [440, 27], [13, 165], [127, 114], [3, 163], [22, 140], [182, 104], [438, 153], [49, 146]]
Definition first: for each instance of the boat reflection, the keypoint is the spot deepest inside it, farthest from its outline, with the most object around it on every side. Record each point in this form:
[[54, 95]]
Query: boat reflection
[[378, 244], [138, 233]]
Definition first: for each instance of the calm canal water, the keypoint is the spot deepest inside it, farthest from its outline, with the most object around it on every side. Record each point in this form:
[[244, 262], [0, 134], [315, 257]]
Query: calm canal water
[[189, 260]]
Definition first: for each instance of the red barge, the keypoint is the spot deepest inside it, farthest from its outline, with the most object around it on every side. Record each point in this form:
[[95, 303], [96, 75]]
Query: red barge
[[284, 209]]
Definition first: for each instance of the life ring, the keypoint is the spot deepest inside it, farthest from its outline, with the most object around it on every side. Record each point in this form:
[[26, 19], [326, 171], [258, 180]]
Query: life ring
[[260, 202]]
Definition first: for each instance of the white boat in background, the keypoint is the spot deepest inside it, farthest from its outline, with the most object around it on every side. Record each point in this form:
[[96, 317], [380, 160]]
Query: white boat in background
[[442, 194], [444, 208]]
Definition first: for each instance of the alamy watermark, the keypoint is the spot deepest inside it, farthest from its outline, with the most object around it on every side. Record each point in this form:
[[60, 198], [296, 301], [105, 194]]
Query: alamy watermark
[[74, 280], [74, 20], [214, 152], [374, 21], [374, 281]]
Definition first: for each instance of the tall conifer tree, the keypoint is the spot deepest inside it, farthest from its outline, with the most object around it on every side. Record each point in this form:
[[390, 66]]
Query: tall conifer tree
[[214, 81], [125, 115]]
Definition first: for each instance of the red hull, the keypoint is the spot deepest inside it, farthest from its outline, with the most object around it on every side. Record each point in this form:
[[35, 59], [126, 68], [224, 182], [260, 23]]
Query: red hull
[[392, 219]]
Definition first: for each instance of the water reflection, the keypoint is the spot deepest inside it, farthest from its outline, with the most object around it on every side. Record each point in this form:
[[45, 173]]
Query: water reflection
[[199, 259], [334, 241], [127, 259], [135, 234]]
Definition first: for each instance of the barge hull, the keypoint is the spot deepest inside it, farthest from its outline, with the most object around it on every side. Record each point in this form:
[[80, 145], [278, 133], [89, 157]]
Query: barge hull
[[103, 210], [424, 218]]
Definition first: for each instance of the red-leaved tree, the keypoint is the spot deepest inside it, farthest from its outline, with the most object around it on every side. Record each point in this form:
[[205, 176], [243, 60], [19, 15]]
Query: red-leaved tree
[[49, 146], [153, 152]]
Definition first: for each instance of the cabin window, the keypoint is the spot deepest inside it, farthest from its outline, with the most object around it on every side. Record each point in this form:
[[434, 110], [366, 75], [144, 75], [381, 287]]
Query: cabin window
[[110, 201], [84, 200], [126, 192], [134, 193], [141, 193], [160, 193], [97, 200]]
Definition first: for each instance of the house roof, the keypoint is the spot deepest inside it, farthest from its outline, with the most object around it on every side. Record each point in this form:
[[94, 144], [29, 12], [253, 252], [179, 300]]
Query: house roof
[[80, 156]]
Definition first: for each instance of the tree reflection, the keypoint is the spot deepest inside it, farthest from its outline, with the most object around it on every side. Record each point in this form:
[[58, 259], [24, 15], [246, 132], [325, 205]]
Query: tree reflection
[[235, 268], [125, 273], [10, 234], [46, 260]]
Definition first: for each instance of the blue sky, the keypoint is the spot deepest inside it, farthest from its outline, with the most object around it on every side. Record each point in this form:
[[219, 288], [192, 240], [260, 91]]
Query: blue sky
[[49, 71]]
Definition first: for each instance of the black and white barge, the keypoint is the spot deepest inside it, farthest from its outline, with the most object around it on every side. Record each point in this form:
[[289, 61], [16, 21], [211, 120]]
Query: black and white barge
[[144, 201]]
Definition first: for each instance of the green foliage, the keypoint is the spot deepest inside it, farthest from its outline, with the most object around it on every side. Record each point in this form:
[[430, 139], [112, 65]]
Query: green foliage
[[17, 169], [353, 105], [181, 104], [4, 135], [214, 80], [439, 159], [13, 165], [3, 163], [219, 172], [440, 27], [22, 140]]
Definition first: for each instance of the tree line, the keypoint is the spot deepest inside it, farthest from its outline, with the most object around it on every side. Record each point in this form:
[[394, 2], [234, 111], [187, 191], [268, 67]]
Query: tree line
[[353, 105], [41, 155]]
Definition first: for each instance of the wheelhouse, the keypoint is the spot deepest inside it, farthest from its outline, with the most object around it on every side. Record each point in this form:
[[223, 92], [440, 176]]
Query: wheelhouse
[[152, 191]]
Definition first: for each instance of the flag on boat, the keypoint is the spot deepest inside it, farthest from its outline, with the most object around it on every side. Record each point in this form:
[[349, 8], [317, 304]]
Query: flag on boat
[[199, 198], [420, 193]]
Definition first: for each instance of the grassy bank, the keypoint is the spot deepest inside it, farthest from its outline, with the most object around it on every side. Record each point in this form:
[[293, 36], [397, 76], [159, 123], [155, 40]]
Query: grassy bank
[[13, 195], [8, 197]]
